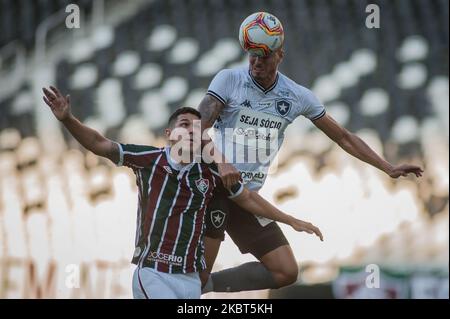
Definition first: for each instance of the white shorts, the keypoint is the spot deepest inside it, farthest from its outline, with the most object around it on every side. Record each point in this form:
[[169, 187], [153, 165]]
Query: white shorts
[[151, 284]]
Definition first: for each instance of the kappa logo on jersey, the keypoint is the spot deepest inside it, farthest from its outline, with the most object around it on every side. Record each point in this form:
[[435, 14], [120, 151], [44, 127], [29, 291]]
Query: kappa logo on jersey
[[283, 107], [246, 103], [217, 218], [202, 185], [168, 169]]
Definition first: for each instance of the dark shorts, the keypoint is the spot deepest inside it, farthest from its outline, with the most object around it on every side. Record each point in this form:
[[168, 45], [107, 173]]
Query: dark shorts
[[243, 227]]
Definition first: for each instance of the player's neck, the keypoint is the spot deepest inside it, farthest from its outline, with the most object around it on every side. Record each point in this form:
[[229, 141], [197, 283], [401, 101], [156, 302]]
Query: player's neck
[[266, 82], [175, 159]]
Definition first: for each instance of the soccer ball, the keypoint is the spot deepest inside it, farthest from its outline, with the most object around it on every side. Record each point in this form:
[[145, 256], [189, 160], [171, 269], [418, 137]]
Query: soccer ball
[[261, 33]]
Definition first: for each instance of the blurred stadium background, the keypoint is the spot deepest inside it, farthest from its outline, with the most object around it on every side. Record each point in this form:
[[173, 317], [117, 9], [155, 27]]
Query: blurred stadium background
[[132, 62]]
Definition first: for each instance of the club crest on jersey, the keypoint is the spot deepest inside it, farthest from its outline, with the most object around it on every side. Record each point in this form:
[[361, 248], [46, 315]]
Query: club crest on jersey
[[202, 185], [217, 218], [283, 107]]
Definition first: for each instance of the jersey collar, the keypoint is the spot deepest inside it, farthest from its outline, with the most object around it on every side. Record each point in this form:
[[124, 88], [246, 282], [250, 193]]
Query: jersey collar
[[260, 87], [175, 165]]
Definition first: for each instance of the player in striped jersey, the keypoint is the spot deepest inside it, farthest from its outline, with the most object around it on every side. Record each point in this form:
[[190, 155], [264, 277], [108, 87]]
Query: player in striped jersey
[[174, 191]]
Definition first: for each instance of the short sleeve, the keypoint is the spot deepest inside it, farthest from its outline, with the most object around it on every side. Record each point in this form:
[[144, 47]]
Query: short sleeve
[[137, 156], [235, 190], [221, 86], [313, 109]]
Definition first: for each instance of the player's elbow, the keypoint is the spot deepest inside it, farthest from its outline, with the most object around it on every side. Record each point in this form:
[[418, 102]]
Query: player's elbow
[[243, 198], [100, 146]]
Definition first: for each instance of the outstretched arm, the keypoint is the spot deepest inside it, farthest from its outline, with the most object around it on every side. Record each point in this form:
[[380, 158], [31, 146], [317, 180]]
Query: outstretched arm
[[89, 138], [355, 146], [255, 204]]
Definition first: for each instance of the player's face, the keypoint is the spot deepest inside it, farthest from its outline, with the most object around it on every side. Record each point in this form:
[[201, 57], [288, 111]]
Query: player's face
[[182, 132], [266, 67]]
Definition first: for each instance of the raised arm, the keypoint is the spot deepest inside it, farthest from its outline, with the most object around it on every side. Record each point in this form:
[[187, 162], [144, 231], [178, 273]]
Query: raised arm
[[210, 108], [89, 138], [255, 204], [355, 146]]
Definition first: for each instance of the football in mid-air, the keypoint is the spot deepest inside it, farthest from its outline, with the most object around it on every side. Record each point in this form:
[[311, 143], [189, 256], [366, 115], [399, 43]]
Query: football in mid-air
[[261, 33]]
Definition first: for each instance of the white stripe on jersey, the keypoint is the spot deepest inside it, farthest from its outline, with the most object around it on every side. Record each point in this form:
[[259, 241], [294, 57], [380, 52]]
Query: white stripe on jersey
[[139, 216], [181, 219], [193, 227], [141, 153], [153, 221], [120, 163], [167, 221], [149, 190]]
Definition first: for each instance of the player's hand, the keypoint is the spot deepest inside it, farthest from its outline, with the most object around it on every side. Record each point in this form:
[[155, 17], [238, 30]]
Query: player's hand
[[300, 225], [404, 170], [59, 104], [229, 174]]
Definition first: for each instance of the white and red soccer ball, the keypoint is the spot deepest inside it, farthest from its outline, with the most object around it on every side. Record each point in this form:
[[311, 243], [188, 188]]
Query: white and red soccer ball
[[261, 33]]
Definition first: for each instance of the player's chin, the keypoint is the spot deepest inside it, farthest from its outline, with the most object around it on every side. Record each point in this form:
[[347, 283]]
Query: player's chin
[[258, 74]]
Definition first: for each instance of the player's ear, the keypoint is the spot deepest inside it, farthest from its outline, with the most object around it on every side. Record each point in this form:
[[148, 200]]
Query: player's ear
[[168, 131], [281, 54]]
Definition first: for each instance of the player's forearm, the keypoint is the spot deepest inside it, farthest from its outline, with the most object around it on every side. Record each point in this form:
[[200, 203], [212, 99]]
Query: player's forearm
[[210, 109], [355, 146], [257, 205], [87, 137]]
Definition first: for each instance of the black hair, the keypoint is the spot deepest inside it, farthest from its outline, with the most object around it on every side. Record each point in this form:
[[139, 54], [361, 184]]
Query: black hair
[[182, 110]]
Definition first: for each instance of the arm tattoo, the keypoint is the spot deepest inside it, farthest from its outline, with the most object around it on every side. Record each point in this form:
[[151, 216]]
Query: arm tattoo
[[209, 108]]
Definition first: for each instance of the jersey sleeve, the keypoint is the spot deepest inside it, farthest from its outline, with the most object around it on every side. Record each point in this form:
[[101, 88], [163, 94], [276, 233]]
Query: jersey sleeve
[[221, 86], [137, 156], [313, 109]]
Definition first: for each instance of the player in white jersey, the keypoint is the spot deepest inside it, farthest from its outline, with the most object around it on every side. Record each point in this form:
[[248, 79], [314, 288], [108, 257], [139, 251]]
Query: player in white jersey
[[247, 106]]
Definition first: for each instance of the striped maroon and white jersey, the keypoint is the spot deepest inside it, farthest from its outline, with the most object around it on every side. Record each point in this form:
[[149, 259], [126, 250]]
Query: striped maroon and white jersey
[[171, 208]]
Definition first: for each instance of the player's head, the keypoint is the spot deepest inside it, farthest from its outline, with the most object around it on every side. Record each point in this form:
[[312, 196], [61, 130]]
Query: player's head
[[261, 34], [263, 67], [180, 129]]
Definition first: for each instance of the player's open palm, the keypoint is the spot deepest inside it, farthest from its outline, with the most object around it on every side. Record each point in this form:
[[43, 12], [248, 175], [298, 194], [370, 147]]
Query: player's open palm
[[59, 104], [300, 225], [404, 170]]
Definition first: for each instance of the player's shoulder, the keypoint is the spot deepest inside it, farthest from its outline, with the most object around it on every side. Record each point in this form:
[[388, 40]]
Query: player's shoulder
[[302, 93], [292, 85], [233, 73]]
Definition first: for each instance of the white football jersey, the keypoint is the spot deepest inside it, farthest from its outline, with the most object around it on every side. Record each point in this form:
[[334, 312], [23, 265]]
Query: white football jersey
[[250, 128]]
